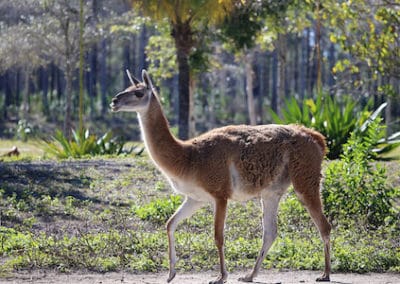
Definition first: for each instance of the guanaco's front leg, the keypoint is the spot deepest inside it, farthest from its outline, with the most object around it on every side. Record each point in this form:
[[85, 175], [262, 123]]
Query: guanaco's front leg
[[188, 207]]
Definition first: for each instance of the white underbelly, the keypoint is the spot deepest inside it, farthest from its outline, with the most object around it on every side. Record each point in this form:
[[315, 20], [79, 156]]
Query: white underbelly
[[238, 186], [240, 195], [191, 190]]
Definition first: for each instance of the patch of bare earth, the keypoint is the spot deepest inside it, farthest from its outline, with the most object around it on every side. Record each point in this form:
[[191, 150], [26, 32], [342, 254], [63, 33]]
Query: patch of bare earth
[[265, 277]]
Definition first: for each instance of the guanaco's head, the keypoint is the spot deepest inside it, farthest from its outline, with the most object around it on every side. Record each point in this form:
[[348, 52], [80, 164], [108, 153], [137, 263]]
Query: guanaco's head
[[136, 97]]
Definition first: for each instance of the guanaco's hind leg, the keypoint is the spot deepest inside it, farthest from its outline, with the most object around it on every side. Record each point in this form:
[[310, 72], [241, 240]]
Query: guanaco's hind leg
[[188, 207], [310, 197], [270, 203], [219, 224]]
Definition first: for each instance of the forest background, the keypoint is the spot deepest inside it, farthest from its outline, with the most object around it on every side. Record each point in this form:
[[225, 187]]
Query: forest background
[[80, 198], [62, 61]]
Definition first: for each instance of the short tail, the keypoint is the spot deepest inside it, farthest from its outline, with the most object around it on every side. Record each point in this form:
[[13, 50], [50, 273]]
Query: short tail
[[317, 137]]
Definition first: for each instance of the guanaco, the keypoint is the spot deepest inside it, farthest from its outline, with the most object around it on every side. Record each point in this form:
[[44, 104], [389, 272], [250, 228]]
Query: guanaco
[[231, 163]]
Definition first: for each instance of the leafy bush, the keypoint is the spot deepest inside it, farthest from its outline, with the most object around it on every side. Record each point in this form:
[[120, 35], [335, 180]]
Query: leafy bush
[[355, 188], [159, 210], [363, 251], [381, 144], [336, 119], [24, 130], [82, 144]]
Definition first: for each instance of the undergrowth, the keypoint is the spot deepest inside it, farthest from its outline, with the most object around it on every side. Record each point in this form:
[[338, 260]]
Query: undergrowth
[[109, 216]]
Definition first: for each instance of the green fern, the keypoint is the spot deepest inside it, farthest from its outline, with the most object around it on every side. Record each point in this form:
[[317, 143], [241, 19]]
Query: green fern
[[336, 120], [84, 144]]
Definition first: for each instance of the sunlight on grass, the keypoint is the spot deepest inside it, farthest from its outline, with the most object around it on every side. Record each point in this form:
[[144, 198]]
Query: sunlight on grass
[[30, 149], [35, 149], [395, 154]]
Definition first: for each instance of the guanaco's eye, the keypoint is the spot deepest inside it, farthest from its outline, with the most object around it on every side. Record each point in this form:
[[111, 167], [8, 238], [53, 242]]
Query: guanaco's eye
[[139, 94]]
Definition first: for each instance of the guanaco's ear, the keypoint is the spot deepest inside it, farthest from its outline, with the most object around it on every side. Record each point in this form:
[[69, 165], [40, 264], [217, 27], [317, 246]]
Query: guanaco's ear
[[146, 79], [133, 80]]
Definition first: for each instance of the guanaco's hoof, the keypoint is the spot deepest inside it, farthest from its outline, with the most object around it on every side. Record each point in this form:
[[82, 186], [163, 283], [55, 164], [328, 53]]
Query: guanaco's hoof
[[247, 278], [171, 276], [218, 281], [323, 278]]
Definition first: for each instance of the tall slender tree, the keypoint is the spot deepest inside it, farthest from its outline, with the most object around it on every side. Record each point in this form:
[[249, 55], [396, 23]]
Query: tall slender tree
[[187, 18], [81, 64], [240, 29]]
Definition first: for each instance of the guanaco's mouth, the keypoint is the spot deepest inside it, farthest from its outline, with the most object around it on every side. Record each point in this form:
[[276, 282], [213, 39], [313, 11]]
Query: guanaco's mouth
[[114, 107]]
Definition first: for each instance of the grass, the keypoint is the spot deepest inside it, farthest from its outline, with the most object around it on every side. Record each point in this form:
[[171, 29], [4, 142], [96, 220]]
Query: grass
[[29, 150], [395, 154], [108, 215]]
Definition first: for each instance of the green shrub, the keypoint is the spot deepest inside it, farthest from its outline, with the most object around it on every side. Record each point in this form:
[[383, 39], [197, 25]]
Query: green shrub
[[336, 119], [361, 251], [24, 130], [159, 210], [83, 143], [381, 144], [356, 189]]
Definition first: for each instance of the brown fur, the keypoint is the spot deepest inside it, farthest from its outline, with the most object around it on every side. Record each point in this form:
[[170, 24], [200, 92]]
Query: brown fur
[[260, 153], [231, 161]]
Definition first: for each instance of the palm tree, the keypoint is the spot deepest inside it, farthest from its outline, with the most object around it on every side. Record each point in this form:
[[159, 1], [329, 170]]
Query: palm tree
[[186, 18]]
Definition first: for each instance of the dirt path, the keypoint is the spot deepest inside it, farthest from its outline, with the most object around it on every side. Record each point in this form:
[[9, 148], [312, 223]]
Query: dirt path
[[265, 277]]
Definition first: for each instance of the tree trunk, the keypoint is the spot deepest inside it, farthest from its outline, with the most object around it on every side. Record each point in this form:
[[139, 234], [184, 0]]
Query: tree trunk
[[18, 85], [139, 57], [212, 98], [81, 66], [25, 96], [2, 107], [92, 76], [331, 59], [127, 62], [274, 93], [296, 65], [68, 101], [281, 82], [103, 77], [388, 110], [182, 34], [53, 73], [192, 118], [318, 57], [184, 94], [91, 79], [263, 84], [9, 96], [388, 115], [60, 83], [142, 46], [136, 68], [309, 79], [304, 67], [249, 86], [44, 82]]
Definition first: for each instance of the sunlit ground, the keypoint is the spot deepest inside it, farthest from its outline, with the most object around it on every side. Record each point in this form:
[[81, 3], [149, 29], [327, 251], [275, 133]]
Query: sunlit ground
[[35, 149], [31, 149]]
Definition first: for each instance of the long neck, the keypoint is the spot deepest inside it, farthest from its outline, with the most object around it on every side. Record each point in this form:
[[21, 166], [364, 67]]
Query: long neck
[[165, 150]]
